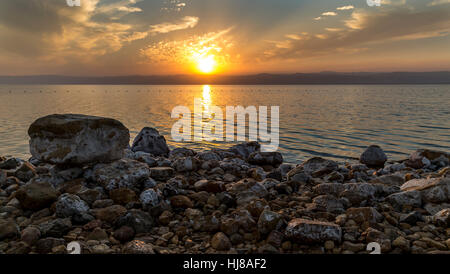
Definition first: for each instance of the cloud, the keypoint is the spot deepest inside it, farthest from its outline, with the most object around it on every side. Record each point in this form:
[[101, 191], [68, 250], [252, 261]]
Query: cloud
[[185, 51], [366, 30], [329, 13], [438, 2], [350, 7], [318, 18], [185, 23]]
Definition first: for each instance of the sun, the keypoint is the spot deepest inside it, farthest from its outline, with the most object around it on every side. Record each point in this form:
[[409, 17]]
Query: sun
[[206, 64]]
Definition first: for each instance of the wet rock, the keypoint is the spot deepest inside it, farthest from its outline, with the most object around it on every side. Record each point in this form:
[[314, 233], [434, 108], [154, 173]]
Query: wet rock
[[161, 173], [55, 228], [138, 220], [8, 229], [149, 140], [25, 172], [124, 173], [77, 139], [36, 195], [138, 247], [373, 156], [220, 242], [265, 158], [69, 205], [308, 231], [269, 221]]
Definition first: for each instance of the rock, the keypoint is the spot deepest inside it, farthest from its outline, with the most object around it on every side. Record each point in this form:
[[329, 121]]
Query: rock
[[77, 139], [269, 221], [161, 173], [265, 158], [46, 245], [25, 172], [123, 196], [3, 176], [69, 205], [124, 234], [434, 190], [186, 164], [145, 158], [55, 228], [181, 201], [124, 173], [90, 195], [308, 231], [8, 229], [208, 156], [30, 235], [110, 214], [97, 234], [11, 163], [149, 140], [138, 220], [374, 157], [388, 180], [150, 198], [410, 198], [209, 186], [357, 193], [220, 242], [247, 190], [327, 203], [442, 218], [401, 243], [245, 149], [36, 195], [181, 152], [138, 247], [411, 218], [423, 157], [364, 214]]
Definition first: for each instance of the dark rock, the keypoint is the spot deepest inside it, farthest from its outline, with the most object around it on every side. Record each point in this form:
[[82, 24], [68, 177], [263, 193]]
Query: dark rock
[[45, 245], [110, 214], [138, 247], [124, 234], [308, 231], [373, 156], [25, 172], [55, 228], [220, 242], [69, 205], [269, 221], [124, 173], [36, 195], [161, 173], [123, 196], [139, 221], [149, 140], [8, 229], [265, 158]]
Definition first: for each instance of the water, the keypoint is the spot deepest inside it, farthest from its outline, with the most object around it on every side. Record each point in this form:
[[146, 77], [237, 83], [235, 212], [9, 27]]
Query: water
[[330, 121]]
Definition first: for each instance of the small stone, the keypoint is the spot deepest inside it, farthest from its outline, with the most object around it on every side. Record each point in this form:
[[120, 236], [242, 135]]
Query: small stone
[[123, 196], [55, 228], [69, 205], [329, 245], [109, 214], [269, 221], [308, 231], [30, 235], [150, 141], [401, 243], [25, 172], [36, 195], [124, 234], [124, 173], [161, 173], [138, 247], [97, 234], [181, 201], [220, 242], [8, 229]]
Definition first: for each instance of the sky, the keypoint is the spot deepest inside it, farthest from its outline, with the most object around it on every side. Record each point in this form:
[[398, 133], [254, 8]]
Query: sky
[[163, 37]]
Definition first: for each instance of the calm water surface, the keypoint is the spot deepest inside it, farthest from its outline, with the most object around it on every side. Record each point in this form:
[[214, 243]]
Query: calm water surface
[[331, 121]]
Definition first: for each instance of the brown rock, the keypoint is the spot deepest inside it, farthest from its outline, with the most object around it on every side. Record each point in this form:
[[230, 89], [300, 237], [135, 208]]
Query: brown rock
[[220, 242]]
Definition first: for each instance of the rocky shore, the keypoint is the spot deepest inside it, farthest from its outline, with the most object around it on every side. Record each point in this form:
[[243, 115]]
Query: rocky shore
[[85, 184]]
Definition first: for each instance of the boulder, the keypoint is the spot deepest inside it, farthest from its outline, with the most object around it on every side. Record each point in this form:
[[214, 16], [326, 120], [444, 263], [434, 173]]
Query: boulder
[[433, 190], [411, 198], [309, 231], [424, 157], [36, 195], [149, 140], [77, 139], [373, 157]]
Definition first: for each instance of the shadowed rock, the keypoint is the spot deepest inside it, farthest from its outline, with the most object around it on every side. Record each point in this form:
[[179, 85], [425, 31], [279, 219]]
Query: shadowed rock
[[149, 140], [373, 156], [77, 139]]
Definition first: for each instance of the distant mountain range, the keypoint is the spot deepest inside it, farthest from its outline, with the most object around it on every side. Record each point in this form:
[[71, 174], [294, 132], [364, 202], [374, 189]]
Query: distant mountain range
[[439, 77]]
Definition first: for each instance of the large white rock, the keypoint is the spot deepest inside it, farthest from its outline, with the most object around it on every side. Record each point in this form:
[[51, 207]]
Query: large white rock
[[77, 139]]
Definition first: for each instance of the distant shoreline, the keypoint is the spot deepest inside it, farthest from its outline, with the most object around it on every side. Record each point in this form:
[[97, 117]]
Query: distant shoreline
[[324, 78]]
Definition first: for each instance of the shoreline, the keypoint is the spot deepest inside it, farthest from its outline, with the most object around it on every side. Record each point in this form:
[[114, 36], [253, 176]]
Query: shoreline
[[84, 185]]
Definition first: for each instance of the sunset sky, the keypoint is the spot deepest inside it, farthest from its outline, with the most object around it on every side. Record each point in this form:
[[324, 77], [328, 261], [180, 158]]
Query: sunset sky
[[123, 37]]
